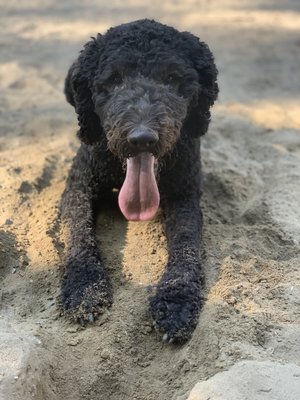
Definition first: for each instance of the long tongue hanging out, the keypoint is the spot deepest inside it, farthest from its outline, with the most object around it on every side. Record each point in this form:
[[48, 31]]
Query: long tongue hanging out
[[139, 195]]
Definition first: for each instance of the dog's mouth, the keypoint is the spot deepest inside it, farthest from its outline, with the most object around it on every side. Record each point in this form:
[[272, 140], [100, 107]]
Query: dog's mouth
[[139, 195]]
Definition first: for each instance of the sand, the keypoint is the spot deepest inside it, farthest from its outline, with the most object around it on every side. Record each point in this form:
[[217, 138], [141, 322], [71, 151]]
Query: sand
[[250, 246]]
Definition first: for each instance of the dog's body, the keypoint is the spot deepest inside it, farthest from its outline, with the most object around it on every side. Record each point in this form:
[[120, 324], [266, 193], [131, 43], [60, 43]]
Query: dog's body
[[142, 93]]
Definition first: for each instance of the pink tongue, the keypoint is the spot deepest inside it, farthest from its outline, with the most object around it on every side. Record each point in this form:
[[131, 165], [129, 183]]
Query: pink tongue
[[139, 195]]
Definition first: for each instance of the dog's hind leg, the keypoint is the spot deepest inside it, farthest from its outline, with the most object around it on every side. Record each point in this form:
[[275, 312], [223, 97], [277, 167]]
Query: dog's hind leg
[[86, 290]]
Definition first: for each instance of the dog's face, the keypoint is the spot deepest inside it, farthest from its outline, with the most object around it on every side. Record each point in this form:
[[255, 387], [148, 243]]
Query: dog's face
[[142, 107], [139, 88]]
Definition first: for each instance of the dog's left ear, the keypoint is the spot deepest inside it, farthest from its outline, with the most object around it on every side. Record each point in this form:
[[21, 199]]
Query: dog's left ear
[[78, 91], [203, 62]]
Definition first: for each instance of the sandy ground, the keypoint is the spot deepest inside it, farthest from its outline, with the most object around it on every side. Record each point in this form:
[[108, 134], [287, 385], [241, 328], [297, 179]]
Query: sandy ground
[[250, 248]]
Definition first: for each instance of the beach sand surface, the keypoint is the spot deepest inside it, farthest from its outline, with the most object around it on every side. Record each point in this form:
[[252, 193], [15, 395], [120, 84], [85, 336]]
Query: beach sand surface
[[251, 174]]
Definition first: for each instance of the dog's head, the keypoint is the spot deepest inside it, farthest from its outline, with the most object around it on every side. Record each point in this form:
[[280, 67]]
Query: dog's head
[[140, 86]]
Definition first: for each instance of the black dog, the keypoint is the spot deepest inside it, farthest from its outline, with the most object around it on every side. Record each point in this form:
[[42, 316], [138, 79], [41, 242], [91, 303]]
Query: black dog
[[142, 93]]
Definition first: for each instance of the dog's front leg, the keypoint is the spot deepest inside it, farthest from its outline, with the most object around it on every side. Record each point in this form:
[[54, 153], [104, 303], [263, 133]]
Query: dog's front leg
[[85, 289], [176, 304]]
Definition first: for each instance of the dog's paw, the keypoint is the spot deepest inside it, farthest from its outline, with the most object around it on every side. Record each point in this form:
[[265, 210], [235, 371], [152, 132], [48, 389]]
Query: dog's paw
[[175, 309], [84, 297]]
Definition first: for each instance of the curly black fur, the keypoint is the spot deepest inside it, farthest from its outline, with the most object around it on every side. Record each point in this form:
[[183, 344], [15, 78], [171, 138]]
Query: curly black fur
[[140, 73]]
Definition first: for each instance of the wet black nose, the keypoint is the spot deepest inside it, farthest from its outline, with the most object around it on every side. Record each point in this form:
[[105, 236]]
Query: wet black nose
[[142, 139]]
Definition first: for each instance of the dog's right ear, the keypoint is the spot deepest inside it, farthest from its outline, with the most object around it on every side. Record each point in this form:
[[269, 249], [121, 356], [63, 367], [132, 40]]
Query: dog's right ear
[[78, 92]]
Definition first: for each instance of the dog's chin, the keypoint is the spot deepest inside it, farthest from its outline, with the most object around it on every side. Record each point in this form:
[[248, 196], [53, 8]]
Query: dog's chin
[[139, 196]]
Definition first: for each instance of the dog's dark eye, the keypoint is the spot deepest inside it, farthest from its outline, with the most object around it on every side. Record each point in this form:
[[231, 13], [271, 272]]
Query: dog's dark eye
[[173, 79], [114, 79]]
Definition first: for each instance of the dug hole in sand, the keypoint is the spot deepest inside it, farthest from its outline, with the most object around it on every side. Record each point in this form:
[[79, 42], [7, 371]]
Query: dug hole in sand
[[250, 247]]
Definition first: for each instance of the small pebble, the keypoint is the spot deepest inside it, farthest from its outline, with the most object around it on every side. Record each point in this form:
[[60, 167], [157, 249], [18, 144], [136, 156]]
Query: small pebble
[[74, 342], [105, 354]]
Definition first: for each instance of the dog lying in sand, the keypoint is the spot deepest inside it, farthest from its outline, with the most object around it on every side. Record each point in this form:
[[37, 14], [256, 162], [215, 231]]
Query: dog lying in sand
[[142, 93]]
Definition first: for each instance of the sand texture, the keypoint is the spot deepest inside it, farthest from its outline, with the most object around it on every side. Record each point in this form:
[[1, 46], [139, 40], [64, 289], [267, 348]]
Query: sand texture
[[251, 204]]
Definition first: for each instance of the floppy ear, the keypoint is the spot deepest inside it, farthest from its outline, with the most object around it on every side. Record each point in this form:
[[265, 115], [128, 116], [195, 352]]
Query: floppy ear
[[78, 92], [203, 62]]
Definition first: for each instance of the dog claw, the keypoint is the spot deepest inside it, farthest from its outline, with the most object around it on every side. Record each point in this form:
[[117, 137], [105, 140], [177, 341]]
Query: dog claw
[[165, 337], [91, 318], [88, 319]]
